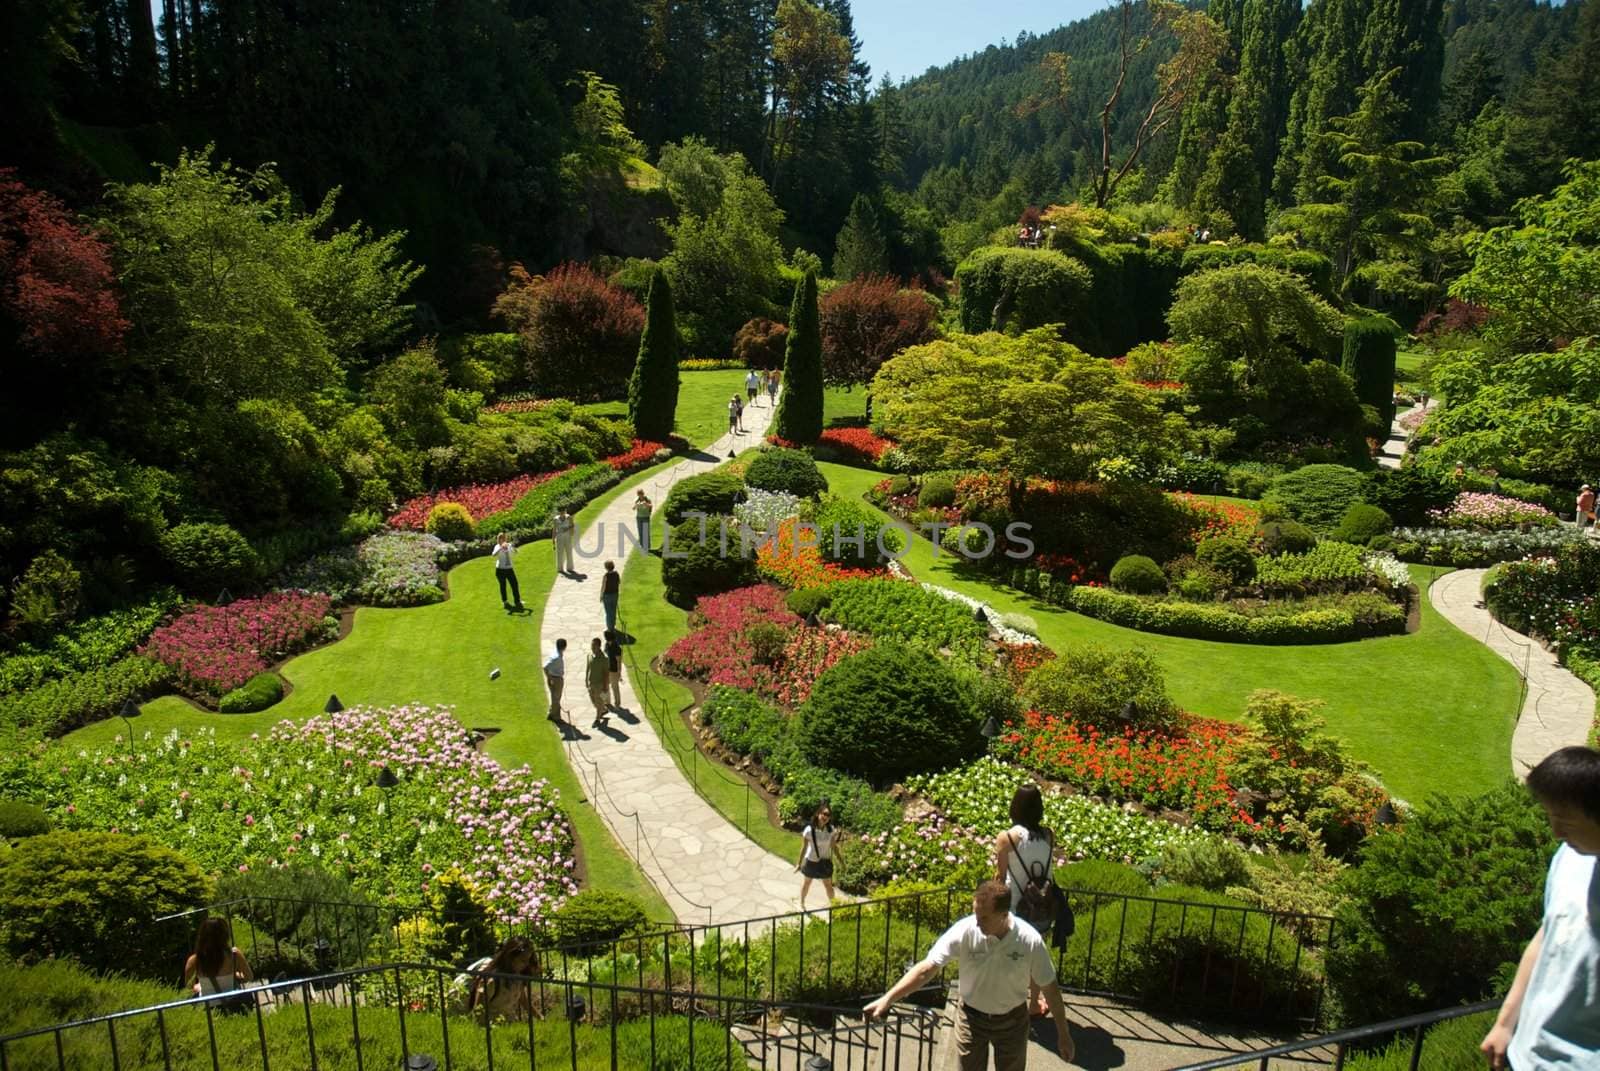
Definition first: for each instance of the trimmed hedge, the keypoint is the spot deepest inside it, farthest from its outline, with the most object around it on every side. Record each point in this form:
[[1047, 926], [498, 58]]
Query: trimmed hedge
[[1203, 621], [257, 693], [18, 819], [1317, 495], [692, 567], [60, 705], [205, 558], [1139, 574], [531, 517], [711, 493], [1314, 268], [1028, 287], [1363, 523], [793, 471], [595, 916], [1369, 351]]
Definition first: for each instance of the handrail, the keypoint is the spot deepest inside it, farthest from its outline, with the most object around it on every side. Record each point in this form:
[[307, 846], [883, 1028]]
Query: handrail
[[1341, 1039]]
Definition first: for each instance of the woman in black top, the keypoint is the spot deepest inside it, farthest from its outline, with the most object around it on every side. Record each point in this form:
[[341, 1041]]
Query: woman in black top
[[614, 668]]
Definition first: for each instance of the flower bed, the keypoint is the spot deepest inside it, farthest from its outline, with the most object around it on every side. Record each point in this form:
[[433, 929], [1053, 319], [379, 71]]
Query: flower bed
[[1465, 548], [642, 453], [212, 650], [308, 792], [907, 614], [399, 569], [1185, 770], [1551, 597], [781, 560], [856, 445], [1491, 513], [1214, 519], [480, 499]]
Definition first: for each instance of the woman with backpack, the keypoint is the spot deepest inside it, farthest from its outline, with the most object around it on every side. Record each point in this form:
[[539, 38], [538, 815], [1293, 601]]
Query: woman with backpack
[[1023, 859], [819, 848]]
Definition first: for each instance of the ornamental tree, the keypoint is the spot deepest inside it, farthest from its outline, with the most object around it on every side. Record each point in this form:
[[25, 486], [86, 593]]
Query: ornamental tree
[[799, 416], [580, 335], [653, 390], [866, 322]]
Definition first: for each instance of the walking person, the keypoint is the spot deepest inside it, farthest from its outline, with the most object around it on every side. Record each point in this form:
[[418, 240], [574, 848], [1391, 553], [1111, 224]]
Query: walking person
[[610, 592], [999, 956], [1551, 1015], [504, 573], [614, 668], [563, 530], [819, 847], [642, 507], [1023, 856], [752, 384], [772, 387], [595, 672], [555, 674], [1585, 506], [733, 414]]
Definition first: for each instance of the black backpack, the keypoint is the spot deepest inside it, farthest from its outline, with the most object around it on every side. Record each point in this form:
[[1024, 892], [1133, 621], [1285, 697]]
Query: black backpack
[[1037, 904]]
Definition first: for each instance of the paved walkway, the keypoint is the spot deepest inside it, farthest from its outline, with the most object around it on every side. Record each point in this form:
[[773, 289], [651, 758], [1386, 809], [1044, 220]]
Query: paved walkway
[[1394, 448], [1557, 708], [707, 869]]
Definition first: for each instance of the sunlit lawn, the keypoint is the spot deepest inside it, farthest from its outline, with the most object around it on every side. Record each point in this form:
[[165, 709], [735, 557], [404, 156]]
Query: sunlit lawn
[[1432, 711]]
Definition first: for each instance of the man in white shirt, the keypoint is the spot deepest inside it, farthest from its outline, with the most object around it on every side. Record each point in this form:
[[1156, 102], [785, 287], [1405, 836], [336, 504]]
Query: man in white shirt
[[563, 529], [1550, 1018], [555, 675], [752, 384], [997, 956]]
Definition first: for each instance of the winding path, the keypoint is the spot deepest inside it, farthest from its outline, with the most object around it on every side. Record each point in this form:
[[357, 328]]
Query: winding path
[[707, 869], [1557, 707]]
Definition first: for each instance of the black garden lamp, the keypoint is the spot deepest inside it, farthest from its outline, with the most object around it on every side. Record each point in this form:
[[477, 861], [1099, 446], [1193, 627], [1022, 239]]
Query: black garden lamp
[[130, 709], [386, 778], [576, 1008], [990, 730], [980, 617], [1386, 815], [1130, 713], [332, 706]]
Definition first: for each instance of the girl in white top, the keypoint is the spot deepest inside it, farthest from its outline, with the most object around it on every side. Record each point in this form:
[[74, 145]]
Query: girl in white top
[[215, 965], [1019, 849], [820, 846]]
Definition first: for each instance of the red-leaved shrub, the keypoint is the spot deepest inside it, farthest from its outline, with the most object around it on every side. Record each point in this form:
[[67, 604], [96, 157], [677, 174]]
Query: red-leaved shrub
[[760, 343], [866, 322], [580, 334]]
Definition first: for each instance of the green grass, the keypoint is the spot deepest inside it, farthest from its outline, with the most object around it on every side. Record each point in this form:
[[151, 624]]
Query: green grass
[[840, 405], [441, 654], [703, 403], [1431, 712], [654, 624]]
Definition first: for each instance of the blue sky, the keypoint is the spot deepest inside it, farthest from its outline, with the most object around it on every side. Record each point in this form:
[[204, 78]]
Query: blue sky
[[906, 37]]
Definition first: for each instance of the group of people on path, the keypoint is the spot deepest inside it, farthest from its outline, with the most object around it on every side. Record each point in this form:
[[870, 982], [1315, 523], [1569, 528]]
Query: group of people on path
[[754, 386], [602, 672]]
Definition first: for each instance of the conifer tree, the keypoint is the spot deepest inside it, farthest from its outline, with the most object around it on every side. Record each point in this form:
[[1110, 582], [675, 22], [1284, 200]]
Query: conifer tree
[[799, 416], [653, 390], [860, 248]]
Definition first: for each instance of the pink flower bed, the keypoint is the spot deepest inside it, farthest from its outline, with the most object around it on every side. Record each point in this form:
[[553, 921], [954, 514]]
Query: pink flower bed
[[720, 651], [1474, 509], [639, 455], [480, 499], [214, 649]]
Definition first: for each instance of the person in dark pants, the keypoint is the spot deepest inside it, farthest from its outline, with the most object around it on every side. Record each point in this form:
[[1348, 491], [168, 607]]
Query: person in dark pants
[[555, 675], [504, 573], [614, 668], [610, 592], [595, 672], [998, 956]]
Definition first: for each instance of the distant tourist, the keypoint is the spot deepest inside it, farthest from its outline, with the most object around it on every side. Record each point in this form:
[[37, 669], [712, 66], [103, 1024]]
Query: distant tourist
[[497, 998], [999, 957], [733, 414], [772, 386], [563, 530], [614, 668], [555, 675], [752, 384], [1585, 506], [641, 518], [1023, 854], [594, 675], [1551, 1015], [503, 572], [819, 847], [610, 592], [215, 965]]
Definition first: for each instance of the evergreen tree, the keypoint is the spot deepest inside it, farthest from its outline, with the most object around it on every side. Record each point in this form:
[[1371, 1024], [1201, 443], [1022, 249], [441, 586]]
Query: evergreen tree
[[889, 132], [653, 390], [861, 248], [799, 416]]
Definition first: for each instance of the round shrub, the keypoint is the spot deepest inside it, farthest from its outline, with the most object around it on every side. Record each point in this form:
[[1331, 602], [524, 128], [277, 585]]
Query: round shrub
[[1096, 684], [595, 916], [205, 558], [1138, 574], [1228, 556], [840, 521], [711, 493], [692, 567], [899, 485], [1285, 537], [94, 897], [257, 693], [1362, 524], [937, 491], [18, 819], [808, 601], [450, 521], [1317, 495], [1211, 863], [887, 712], [782, 469]]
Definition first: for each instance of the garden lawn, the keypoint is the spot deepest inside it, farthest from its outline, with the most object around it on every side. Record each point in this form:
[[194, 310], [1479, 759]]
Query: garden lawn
[[703, 403], [1431, 712], [654, 624], [843, 406], [1408, 365], [441, 655]]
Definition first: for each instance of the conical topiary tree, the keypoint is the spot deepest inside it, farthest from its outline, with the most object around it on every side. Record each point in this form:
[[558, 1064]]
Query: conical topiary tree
[[653, 390], [799, 416]]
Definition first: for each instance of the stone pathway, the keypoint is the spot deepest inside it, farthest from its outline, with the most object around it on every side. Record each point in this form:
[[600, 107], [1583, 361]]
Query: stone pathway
[[1394, 448], [1557, 707], [707, 869]]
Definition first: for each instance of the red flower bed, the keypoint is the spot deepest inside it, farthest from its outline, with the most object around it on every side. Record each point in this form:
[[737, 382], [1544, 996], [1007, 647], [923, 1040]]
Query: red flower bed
[[811, 652], [1069, 569], [803, 567], [856, 444], [480, 499], [215, 649], [637, 456], [1022, 659], [1219, 518], [1185, 770]]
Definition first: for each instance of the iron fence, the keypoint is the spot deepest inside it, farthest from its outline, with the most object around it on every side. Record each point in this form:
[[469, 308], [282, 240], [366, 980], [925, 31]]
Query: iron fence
[[413, 1015]]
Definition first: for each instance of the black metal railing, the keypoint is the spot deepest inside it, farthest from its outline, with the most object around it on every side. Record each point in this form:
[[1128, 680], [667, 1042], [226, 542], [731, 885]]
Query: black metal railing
[[1227, 962], [1410, 1032], [414, 1015]]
